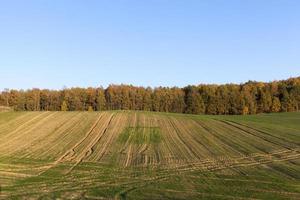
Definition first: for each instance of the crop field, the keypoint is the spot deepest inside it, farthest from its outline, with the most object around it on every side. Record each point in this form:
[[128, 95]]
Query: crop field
[[146, 155]]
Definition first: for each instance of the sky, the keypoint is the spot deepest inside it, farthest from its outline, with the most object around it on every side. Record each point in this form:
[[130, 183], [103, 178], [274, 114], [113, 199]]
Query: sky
[[70, 43]]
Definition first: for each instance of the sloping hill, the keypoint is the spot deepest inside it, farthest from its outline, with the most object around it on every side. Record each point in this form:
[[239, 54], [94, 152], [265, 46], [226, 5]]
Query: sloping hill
[[144, 155]]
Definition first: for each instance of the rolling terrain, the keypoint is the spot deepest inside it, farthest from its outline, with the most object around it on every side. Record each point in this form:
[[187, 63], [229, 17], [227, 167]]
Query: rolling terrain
[[146, 155]]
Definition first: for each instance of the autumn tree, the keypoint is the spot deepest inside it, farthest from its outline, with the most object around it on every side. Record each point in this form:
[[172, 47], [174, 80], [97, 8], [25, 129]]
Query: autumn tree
[[248, 98], [32, 100], [249, 93], [178, 101], [64, 106], [276, 105], [44, 100], [100, 99], [147, 100], [194, 102], [91, 98], [90, 109]]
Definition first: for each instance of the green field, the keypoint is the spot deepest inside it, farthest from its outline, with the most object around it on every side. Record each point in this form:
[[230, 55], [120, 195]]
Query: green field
[[145, 155]]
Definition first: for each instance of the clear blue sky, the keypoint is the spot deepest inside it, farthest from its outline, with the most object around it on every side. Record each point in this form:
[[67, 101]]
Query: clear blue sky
[[56, 43]]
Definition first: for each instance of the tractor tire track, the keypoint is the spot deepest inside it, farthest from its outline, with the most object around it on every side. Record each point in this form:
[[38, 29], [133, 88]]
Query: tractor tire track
[[89, 148], [255, 135]]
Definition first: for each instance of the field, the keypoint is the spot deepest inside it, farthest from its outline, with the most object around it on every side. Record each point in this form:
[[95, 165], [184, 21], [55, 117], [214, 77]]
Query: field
[[145, 155]]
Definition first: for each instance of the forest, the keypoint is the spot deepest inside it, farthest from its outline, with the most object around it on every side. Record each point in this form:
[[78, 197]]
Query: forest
[[226, 99]]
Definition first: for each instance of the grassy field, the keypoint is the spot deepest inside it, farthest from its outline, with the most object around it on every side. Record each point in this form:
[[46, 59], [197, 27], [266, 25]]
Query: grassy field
[[144, 155]]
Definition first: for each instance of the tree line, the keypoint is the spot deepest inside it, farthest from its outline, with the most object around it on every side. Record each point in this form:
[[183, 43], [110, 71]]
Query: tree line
[[247, 98]]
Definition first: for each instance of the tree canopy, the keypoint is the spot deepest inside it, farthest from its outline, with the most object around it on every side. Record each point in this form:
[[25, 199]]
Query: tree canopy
[[247, 98]]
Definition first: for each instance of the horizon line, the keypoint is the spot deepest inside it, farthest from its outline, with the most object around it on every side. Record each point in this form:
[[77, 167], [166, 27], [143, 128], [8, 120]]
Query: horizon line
[[152, 87]]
